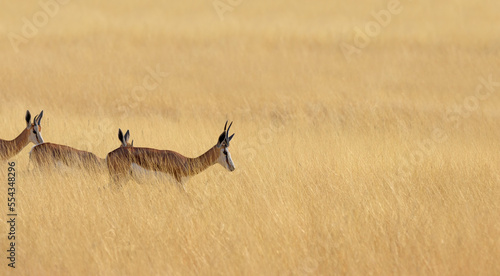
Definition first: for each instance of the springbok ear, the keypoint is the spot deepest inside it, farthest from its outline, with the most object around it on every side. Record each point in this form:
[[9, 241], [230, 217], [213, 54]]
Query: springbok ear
[[120, 135], [39, 118], [231, 137], [222, 137], [126, 137], [28, 118]]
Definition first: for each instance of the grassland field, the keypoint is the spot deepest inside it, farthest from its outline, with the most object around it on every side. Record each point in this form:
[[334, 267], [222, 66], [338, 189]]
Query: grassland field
[[381, 162]]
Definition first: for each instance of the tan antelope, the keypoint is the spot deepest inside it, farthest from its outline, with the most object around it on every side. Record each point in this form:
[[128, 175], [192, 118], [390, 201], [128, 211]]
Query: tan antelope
[[136, 162], [32, 133], [48, 155]]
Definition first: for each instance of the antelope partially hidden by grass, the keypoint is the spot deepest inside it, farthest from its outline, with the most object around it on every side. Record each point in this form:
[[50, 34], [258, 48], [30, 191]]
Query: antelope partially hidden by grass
[[49, 156], [32, 133], [134, 161]]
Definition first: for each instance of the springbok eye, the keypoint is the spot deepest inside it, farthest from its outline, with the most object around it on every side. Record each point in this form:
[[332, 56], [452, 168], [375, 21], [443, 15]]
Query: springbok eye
[[34, 131], [225, 152]]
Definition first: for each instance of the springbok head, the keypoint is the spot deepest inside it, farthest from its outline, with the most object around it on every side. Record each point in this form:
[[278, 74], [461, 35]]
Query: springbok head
[[34, 129], [223, 144], [124, 139]]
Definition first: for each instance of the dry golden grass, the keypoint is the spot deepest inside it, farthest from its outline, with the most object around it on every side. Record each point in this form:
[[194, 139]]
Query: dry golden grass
[[321, 185]]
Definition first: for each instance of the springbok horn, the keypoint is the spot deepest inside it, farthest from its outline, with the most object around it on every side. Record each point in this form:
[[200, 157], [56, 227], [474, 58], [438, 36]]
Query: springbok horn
[[40, 118], [227, 132]]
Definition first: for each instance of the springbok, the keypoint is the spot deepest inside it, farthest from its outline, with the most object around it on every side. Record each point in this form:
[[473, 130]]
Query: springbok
[[135, 162], [48, 155], [32, 133]]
